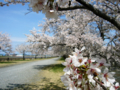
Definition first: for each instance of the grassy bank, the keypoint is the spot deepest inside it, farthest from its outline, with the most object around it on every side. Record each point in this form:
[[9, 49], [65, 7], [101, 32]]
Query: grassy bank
[[14, 62], [51, 77]]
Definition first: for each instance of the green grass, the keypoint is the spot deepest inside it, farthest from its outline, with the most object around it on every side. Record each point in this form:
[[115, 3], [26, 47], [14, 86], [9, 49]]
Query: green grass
[[62, 59], [13, 61], [3, 56], [10, 61], [6, 62], [56, 67]]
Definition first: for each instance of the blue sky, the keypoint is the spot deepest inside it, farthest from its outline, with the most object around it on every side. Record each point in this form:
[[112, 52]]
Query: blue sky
[[14, 22]]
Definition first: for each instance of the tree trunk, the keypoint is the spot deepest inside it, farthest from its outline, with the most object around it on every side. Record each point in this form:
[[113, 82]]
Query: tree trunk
[[64, 56], [23, 55], [35, 56]]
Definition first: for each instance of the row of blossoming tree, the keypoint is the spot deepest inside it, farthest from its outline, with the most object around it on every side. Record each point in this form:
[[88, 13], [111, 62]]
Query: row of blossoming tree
[[34, 50], [5, 44], [91, 24]]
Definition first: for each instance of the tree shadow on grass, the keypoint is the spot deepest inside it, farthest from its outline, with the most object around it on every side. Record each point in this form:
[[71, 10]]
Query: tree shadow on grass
[[20, 87], [48, 83], [44, 85], [54, 67], [39, 67], [51, 85]]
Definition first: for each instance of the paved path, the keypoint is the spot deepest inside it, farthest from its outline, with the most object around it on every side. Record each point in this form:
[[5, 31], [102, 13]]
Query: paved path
[[22, 74]]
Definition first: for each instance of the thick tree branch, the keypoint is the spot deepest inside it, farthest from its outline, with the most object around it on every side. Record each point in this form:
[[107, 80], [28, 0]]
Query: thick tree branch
[[71, 8], [104, 88], [61, 44], [99, 13], [94, 10]]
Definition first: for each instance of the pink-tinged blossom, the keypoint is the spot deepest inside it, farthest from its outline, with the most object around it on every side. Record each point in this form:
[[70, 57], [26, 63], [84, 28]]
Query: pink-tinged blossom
[[67, 82], [97, 87], [93, 69], [68, 62], [51, 14], [80, 73], [90, 77], [102, 62], [108, 78], [36, 5], [79, 61], [116, 86], [78, 52], [68, 65], [77, 58]]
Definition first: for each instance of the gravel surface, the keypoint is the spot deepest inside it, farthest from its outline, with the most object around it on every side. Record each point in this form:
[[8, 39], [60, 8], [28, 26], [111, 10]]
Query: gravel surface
[[21, 74]]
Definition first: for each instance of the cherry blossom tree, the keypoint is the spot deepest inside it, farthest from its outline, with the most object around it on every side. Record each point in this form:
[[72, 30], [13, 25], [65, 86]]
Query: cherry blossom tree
[[5, 43], [68, 34], [110, 36], [79, 30], [22, 48], [35, 49]]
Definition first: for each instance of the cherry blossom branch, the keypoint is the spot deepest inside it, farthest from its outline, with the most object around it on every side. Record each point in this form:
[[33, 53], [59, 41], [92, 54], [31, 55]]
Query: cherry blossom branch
[[3, 4], [99, 13], [71, 8], [104, 88], [94, 10], [62, 44], [7, 4]]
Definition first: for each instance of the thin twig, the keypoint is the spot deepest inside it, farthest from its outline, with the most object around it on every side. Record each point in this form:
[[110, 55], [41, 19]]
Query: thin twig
[[104, 88]]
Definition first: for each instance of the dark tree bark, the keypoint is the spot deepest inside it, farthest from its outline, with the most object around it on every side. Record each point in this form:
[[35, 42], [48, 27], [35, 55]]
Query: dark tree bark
[[35, 56], [23, 55]]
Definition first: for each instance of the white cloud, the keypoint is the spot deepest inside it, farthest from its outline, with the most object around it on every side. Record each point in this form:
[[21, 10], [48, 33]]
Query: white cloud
[[17, 39]]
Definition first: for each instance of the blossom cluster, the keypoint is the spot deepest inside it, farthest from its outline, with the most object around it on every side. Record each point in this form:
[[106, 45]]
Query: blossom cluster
[[87, 74], [46, 6]]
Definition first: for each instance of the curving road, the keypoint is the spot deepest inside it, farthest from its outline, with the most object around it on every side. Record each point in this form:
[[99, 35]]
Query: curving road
[[22, 74]]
